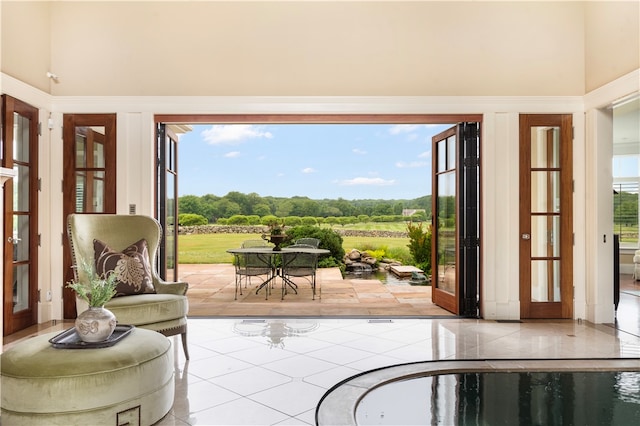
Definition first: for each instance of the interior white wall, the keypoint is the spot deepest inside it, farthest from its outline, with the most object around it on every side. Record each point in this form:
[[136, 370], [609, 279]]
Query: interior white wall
[[500, 225], [386, 48], [612, 40], [580, 208], [599, 282]]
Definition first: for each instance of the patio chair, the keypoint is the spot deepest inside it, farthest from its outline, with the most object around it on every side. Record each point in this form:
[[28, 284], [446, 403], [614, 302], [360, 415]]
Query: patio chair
[[301, 265], [313, 242], [248, 265], [110, 241], [254, 243]]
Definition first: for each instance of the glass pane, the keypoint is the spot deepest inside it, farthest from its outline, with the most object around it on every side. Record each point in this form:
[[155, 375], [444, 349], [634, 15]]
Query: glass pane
[[80, 185], [21, 137], [20, 238], [171, 155], [545, 192], [98, 192], [81, 148], [451, 153], [446, 233], [442, 156], [98, 155], [170, 254], [21, 188], [545, 281], [20, 288], [545, 236], [545, 147], [90, 192], [90, 147]]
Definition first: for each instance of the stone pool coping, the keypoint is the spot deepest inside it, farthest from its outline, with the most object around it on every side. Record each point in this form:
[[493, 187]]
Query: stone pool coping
[[338, 405]]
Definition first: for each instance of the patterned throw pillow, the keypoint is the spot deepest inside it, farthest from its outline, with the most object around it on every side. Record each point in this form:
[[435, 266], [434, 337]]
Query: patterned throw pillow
[[131, 267]]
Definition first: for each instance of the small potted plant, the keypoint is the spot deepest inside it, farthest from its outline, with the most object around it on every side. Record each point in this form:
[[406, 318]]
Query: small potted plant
[[96, 324], [276, 234]]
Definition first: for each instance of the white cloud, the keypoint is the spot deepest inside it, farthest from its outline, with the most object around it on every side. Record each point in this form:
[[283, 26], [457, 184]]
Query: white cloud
[[232, 154], [411, 164], [233, 134], [426, 154], [403, 128], [358, 151], [308, 170], [366, 181]]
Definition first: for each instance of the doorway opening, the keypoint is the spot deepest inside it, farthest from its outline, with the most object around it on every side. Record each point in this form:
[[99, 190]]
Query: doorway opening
[[226, 132]]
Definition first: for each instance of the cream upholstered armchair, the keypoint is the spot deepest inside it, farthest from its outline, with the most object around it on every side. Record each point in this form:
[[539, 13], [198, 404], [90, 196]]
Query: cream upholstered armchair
[[128, 244]]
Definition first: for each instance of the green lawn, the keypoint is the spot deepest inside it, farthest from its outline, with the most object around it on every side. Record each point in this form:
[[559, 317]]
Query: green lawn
[[212, 248]]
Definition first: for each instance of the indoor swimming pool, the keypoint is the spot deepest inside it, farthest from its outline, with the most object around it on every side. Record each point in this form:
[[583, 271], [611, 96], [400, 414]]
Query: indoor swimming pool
[[499, 392]]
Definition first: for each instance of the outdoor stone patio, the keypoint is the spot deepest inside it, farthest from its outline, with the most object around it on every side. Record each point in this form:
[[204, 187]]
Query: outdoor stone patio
[[212, 288]]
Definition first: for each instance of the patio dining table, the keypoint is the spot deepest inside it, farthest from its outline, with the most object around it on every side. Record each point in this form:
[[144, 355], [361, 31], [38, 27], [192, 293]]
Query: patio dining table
[[267, 255]]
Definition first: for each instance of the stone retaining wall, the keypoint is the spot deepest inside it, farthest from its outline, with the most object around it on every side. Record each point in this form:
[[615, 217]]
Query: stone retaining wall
[[237, 229]]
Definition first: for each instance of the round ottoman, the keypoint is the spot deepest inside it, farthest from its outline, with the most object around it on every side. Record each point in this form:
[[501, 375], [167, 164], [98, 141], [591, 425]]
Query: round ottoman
[[128, 383]]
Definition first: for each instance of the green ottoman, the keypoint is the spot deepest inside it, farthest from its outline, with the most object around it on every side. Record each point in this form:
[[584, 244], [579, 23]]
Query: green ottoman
[[128, 383]]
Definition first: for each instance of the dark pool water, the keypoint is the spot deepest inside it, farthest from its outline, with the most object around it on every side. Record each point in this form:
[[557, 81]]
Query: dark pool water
[[531, 398]]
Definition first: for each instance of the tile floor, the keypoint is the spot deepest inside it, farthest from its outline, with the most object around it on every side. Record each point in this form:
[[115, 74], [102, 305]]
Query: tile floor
[[273, 371]]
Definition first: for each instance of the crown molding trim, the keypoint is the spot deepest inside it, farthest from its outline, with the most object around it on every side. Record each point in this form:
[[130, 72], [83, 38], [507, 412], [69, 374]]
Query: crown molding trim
[[616, 91], [319, 105], [26, 93]]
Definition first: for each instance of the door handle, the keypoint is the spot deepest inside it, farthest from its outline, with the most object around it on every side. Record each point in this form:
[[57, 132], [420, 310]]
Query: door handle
[[526, 236], [14, 240]]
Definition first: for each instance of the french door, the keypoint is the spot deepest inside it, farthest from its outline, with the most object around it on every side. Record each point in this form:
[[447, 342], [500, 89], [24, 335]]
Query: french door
[[89, 178], [546, 224], [20, 233], [167, 201], [456, 232]]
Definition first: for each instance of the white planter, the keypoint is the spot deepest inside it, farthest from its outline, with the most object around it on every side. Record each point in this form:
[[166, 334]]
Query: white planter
[[96, 324]]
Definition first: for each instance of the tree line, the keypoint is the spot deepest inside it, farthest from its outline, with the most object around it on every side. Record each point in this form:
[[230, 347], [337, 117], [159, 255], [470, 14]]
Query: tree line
[[235, 203]]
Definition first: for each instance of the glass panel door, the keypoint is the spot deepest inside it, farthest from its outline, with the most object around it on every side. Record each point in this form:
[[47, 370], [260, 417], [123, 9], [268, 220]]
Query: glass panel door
[[545, 217], [167, 201], [20, 153], [90, 169], [456, 242]]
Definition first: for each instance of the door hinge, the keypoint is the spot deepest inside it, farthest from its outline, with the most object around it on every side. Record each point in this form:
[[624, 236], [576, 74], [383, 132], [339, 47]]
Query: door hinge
[[39, 184], [39, 296], [573, 237], [573, 186], [39, 240], [469, 242], [471, 162], [39, 128], [573, 132]]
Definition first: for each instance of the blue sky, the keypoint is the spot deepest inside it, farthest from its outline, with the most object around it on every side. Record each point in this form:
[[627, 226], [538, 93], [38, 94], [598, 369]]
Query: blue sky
[[351, 161]]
